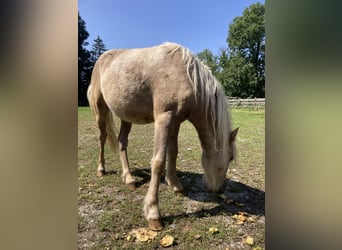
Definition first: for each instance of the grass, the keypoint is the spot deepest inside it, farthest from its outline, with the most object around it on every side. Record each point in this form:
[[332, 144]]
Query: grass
[[108, 211]]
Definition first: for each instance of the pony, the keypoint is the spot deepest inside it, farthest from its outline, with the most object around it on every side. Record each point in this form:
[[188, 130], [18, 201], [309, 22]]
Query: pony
[[164, 84]]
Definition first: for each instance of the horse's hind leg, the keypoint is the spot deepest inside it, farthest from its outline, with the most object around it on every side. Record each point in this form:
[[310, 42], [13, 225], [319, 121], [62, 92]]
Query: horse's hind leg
[[123, 143], [101, 123], [172, 150]]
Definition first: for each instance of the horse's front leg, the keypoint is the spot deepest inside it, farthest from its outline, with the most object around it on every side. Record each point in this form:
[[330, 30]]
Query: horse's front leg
[[161, 131]]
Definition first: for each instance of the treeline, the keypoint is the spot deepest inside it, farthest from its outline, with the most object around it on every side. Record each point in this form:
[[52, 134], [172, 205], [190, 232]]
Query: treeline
[[86, 60], [240, 67]]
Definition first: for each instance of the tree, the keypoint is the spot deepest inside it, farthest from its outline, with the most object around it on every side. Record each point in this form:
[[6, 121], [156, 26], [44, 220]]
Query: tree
[[84, 62], [246, 42], [207, 57], [223, 59], [239, 78], [97, 49]]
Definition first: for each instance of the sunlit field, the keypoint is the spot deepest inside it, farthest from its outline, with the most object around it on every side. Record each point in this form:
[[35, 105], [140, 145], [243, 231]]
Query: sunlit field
[[110, 214]]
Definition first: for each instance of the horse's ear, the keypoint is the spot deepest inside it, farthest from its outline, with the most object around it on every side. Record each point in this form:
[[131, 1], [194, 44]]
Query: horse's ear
[[233, 134]]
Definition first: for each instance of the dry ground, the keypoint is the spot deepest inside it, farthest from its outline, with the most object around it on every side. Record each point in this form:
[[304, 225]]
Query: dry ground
[[108, 211]]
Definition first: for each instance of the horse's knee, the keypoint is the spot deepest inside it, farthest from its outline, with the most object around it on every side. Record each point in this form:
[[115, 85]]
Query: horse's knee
[[158, 164]]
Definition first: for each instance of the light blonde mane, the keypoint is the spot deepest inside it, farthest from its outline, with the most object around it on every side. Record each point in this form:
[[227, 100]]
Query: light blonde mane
[[208, 92]]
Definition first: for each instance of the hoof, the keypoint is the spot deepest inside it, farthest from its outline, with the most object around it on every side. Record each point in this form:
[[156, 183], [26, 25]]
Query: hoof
[[101, 173], [155, 225], [177, 189], [132, 186]]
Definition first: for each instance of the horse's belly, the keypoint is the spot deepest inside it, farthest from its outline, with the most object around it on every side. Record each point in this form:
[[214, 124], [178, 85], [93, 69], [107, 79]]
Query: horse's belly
[[135, 117], [132, 103], [134, 112]]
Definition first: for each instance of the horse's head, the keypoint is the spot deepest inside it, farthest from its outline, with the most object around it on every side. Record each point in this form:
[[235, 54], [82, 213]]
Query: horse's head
[[216, 165]]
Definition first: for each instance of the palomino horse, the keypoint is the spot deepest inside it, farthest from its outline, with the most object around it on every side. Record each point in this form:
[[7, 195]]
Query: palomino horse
[[166, 85]]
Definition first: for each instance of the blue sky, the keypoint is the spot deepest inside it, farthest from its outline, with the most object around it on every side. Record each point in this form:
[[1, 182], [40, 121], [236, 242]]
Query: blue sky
[[196, 24]]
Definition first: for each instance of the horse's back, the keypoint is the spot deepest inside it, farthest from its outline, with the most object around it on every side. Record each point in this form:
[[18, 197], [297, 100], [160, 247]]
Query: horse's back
[[138, 83]]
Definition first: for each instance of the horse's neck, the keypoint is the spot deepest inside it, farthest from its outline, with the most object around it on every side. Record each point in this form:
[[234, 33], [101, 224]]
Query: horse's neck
[[206, 135]]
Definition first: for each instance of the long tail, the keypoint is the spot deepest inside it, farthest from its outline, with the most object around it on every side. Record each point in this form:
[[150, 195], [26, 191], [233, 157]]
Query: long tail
[[97, 102], [111, 132]]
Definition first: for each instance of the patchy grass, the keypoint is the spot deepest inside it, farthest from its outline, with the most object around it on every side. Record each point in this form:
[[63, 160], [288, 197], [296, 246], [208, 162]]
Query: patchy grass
[[108, 211]]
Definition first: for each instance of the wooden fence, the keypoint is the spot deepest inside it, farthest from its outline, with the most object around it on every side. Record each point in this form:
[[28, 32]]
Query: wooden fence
[[255, 103]]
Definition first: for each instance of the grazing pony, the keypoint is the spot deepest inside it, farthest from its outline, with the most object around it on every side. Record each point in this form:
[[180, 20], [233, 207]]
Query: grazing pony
[[166, 85]]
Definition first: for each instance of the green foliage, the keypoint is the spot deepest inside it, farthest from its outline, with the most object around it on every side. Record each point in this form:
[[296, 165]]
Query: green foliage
[[97, 49], [246, 39], [207, 57], [84, 62], [223, 59], [247, 33], [239, 78]]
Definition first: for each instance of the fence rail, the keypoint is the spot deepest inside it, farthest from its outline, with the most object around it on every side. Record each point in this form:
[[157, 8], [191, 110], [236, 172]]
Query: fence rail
[[252, 103]]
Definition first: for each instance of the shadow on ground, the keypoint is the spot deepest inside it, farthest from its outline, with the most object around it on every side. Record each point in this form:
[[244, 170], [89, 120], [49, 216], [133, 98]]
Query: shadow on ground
[[239, 197]]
